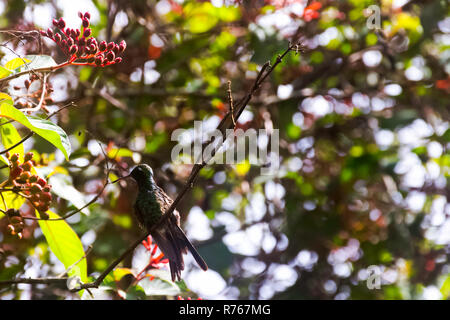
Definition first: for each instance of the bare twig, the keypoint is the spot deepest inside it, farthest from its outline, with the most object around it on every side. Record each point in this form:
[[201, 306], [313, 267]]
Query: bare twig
[[41, 100], [230, 101]]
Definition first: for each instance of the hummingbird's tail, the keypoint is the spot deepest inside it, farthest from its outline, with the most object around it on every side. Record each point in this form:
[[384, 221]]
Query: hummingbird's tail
[[173, 243]]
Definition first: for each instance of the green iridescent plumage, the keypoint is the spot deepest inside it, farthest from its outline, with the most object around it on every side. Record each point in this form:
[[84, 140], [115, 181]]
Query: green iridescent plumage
[[151, 203]]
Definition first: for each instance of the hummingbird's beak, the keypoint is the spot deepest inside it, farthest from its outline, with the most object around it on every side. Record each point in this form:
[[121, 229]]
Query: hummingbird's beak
[[121, 178]]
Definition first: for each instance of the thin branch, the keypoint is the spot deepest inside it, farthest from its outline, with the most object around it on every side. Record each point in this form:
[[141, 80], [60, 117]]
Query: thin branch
[[34, 281], [230, 101], [41, 100]]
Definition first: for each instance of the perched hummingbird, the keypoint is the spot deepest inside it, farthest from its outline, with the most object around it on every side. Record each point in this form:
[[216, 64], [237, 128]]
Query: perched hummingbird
[[151, 203]]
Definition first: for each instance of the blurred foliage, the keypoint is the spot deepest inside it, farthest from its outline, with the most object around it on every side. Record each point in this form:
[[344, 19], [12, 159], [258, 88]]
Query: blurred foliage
[[364, 127]]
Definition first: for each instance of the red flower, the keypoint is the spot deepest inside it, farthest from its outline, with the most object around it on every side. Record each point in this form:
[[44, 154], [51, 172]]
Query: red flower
[[155, 262], [310, 11]]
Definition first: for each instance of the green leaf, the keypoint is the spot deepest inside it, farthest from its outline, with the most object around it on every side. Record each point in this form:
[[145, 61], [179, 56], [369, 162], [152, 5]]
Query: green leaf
[[445, 289], [5, 96], [16, 63], [39, 61], [12, 200], [119, 153], [159, 287], [65, 244], [45, 128], [4, 72], [10, 137]]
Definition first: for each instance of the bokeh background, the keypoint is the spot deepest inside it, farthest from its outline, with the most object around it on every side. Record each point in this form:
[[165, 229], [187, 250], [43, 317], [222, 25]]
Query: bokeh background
[[363, 115]]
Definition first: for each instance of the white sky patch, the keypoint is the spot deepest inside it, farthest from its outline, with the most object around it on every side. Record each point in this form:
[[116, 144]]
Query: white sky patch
[[120, 22], [434, 149], [372, 58], [393, 89], [431, 293], [207, 284], [284, 91], [246, 242], [41, 15], [384, 137], [246, 116], [328, 35], [318, 106], [163, 7], [413, 73], [70, 11], [156, 41], [256, 209], [274, 191], [226, 219], [415, 200], [150, 74], [197, 225]]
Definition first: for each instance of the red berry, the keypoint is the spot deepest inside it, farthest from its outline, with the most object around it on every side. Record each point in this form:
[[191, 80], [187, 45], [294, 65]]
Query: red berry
[[45, 197], [15, 172], [61, 23], [35, 188], [87, 15], [27, 166], [14, 157], [110, 56], [102, 46], [25, 176], [87, 32], [73, 49], [85, 23], [28, 156], [42, 182]]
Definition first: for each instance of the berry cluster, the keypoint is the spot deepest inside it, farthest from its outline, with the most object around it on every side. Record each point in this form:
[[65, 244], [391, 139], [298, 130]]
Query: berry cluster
[[80, 47], [16, 224], [34, 188]]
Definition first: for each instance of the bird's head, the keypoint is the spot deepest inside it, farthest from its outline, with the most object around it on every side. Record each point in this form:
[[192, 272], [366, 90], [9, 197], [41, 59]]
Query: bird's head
[[142, 173]]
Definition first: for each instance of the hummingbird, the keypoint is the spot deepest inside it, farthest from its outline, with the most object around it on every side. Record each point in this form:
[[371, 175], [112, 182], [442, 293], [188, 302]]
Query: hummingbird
[[151, 204]]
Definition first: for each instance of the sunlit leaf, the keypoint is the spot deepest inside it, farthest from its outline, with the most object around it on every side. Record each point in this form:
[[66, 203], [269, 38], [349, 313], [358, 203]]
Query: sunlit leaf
[[16, 63], [10, 137], [39, 61], [65, 244], [45, 128]]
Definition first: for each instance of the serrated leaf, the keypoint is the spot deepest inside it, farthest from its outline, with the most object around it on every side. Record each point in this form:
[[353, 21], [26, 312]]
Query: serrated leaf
[[39, 61], [16, 63], [45, 128], [65, 244]]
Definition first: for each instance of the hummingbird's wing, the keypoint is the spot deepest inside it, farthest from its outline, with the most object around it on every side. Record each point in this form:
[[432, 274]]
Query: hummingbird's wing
[[172, 240]]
